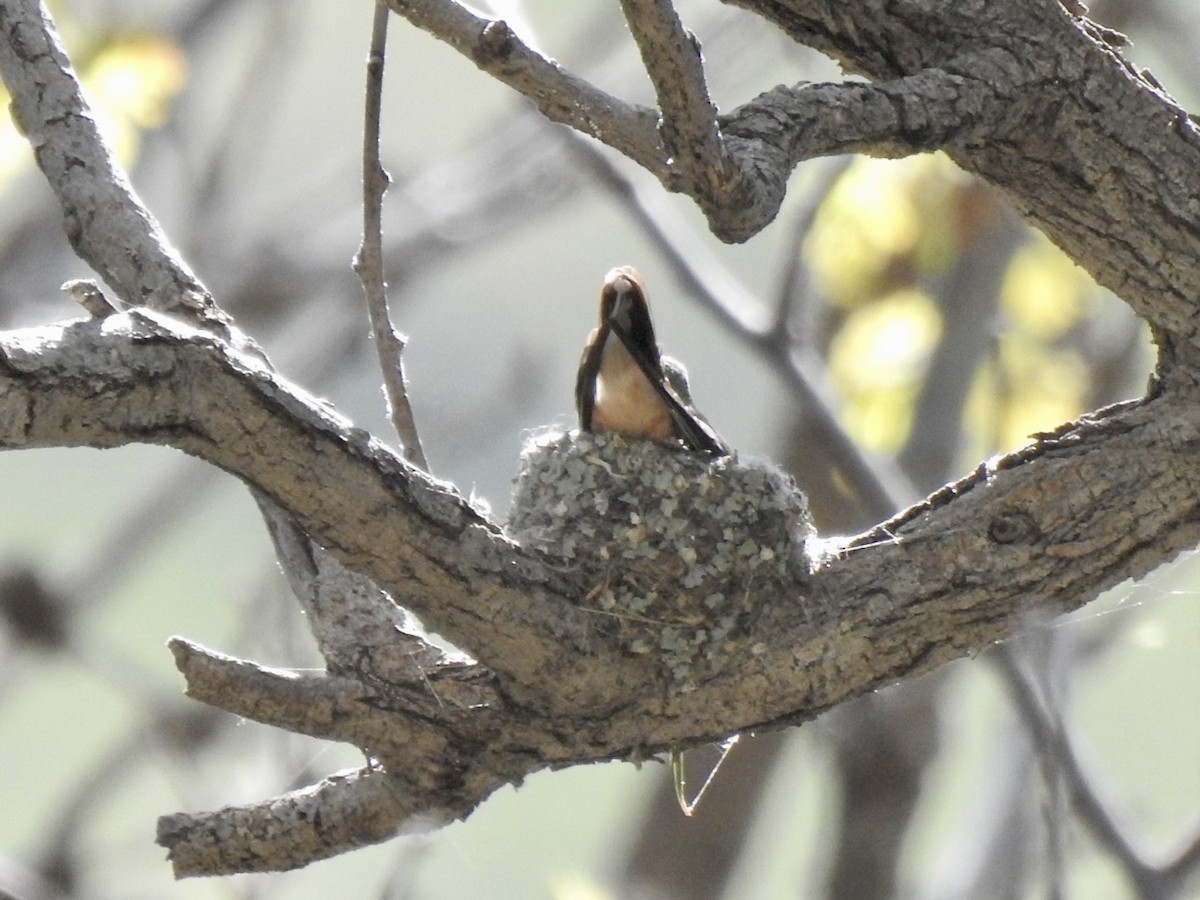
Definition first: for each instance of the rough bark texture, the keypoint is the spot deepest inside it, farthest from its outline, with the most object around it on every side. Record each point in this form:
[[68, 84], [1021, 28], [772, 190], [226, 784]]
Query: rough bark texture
[[1028, 97], [1041, 531], [1085, 145]]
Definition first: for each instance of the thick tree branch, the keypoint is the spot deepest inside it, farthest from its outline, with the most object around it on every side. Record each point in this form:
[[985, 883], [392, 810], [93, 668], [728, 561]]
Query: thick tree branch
[[347, 612], [671, 55], [737, 169], [319, 706], [1045, 529], [699, 163], [1021, 93], [180, 387], [1104, 163], [787, 125]]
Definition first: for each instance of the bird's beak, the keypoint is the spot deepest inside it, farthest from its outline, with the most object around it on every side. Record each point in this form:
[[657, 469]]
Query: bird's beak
[[619, 311], [623, 294]]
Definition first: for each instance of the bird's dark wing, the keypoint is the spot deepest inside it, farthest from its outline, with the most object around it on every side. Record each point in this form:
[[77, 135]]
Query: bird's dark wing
[[585, 381], [695, 433]]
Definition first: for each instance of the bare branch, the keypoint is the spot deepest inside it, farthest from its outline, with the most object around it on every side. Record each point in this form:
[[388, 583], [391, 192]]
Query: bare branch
[[559, 95], [356, 625], [1004, 88], [103, 217], [171, 384], [389, 344], [317, 705], [912, 114], [1082, 143], [1091, 504], [689, 129], [343, 812], [945, 579], [736, 170]]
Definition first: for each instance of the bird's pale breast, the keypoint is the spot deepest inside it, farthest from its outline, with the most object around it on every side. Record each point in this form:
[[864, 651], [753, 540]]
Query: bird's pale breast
[[625, 400]]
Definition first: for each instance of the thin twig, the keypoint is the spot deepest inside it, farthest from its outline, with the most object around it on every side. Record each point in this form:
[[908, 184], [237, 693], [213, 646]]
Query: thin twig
[[1052, 737], [558, 94], [368, 263], [736, 167]]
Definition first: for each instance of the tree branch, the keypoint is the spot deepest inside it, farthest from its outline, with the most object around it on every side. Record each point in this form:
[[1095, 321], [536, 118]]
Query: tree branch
[[558, 95], [1045, 529], [1084, 145], [173, 385], [389, 344], [698, 161], [103, 217], [1057, 743], [736, 171], [671, 55], [342, 813], [1022, 94], [1095, 502], [913, 114], [319, 706]]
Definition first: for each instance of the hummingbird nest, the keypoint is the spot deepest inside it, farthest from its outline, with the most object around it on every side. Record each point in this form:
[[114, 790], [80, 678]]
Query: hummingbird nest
[[677, 552]]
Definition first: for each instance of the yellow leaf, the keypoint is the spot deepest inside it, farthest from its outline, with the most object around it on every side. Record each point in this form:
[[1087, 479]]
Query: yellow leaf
[[130, 83]]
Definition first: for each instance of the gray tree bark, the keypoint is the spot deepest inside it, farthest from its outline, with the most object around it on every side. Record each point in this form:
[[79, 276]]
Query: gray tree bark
[[1031, 98]]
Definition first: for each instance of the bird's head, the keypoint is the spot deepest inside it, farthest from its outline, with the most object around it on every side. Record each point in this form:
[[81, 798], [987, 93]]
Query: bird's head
[[625, 310]]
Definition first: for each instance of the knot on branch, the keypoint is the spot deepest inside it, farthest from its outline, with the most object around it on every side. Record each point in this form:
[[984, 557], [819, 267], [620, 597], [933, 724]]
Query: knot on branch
[[1013, 527], [496, 43], [673, 550], [750, 192]]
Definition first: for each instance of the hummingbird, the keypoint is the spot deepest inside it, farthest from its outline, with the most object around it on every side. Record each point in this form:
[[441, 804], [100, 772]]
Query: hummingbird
[[625, 385]]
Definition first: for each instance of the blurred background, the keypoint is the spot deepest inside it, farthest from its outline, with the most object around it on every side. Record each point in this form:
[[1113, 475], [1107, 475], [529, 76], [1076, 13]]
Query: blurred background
[[900, 304]]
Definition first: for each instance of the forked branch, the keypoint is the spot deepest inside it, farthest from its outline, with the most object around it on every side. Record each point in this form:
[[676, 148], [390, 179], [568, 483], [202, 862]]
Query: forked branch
[[1095, 502]]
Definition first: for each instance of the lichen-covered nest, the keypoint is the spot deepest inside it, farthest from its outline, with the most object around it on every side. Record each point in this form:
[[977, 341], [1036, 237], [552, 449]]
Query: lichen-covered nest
[[676, 552]]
